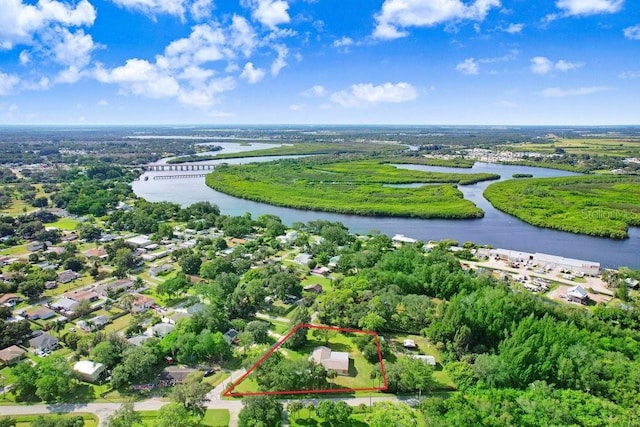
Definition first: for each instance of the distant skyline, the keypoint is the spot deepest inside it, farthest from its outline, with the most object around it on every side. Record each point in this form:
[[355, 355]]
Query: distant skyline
[[424, 62]]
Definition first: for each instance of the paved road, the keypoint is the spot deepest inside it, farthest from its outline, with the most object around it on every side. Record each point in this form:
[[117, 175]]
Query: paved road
[[104, 410]]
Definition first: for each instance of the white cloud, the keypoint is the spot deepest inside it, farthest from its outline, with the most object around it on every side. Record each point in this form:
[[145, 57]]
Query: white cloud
[[364, 94], [632, 33], [19, 22], [317, 91], [563, 65], [543, 65], [396, 15], [140, 77], [206, 43], [468, 67], [296, 107], [629, 75], [343, 42], [280, 62], [102, 103], [73, 49], [242, 35], [556, 92], [7, 83], [24, 57], [251, 74], [514, 28], [201, 9], [588, 7], [270, 13]]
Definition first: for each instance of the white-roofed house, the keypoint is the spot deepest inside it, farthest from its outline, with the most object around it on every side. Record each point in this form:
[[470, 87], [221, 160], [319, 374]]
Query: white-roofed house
[[88, 371], [578, 294]]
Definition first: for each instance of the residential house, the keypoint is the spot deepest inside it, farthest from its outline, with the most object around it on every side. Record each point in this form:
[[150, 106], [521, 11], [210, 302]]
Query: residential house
[[429, 360], [35, 246], [97, 253], [315, 288], [10, 300], [11, 355], [335, 360], [409, 344], [578, 294], [43, 343], [88, 371], [142, 303], [173, 375], [161, 330], [114, 288], [160, 270], [93, 324], [67, 276], [139, 241], [38, 313], [64, 305], [82, 295], [303, 259], [138, 340], [231, 336]]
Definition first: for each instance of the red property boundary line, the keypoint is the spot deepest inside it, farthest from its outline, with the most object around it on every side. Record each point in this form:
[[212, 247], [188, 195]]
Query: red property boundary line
[[230, 393]]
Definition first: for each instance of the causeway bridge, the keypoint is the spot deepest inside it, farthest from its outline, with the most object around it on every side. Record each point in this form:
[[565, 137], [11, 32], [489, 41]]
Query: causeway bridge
[[174, 167]]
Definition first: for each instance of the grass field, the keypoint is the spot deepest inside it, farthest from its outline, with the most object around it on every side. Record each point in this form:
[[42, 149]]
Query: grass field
[[602, 205], [359, 369], [66, 224], [90, 420], [623, 147], [212, 418]]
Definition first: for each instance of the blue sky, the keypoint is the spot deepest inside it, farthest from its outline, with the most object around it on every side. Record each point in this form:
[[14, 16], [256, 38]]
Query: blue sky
[[487, 62]]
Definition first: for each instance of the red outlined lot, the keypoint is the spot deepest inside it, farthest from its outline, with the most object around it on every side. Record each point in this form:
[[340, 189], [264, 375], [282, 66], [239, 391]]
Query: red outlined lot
[[230, 391]]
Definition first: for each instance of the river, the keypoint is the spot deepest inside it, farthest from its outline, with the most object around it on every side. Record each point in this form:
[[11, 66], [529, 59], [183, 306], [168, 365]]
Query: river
[[496, 228]]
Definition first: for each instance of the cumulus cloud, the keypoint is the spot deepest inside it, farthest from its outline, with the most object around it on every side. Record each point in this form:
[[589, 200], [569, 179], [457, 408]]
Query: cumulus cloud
[[366, 94], [588, 7], [186, 70], [469, 67], [251, 74], [543, 65], [19, 22], [270, 13], [7, 83], [343, 42], [556, 92], [242, 35], [199, 9], [632, 33], [280, 62], [514, 28], [317, 91], [397, 15]]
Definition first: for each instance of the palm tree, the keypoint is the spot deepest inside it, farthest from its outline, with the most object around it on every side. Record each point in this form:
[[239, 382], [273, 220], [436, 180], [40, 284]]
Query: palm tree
[[57, 326]]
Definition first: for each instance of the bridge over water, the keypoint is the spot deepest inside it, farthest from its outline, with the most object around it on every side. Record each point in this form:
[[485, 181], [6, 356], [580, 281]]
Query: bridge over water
[[164, 167]]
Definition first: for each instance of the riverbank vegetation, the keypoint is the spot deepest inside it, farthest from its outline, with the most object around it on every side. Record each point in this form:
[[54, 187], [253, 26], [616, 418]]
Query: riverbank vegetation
[[325, 148], [354, 187], [604, 206]]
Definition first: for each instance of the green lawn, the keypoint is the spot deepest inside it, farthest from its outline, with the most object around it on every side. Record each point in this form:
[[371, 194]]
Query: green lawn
[[212, 418], [359, 369], [427, 348], [67, 224], [90, 420]]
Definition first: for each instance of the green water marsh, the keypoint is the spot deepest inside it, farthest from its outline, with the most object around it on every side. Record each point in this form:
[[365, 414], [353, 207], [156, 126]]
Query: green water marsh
[[350, 187], [597, 205]]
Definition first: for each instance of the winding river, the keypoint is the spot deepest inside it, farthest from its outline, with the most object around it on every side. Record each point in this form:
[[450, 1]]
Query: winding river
[[496, 228]]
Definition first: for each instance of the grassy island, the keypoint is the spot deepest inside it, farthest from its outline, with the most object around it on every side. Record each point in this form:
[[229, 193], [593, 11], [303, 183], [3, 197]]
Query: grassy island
[[359, 187], [597, 205]]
